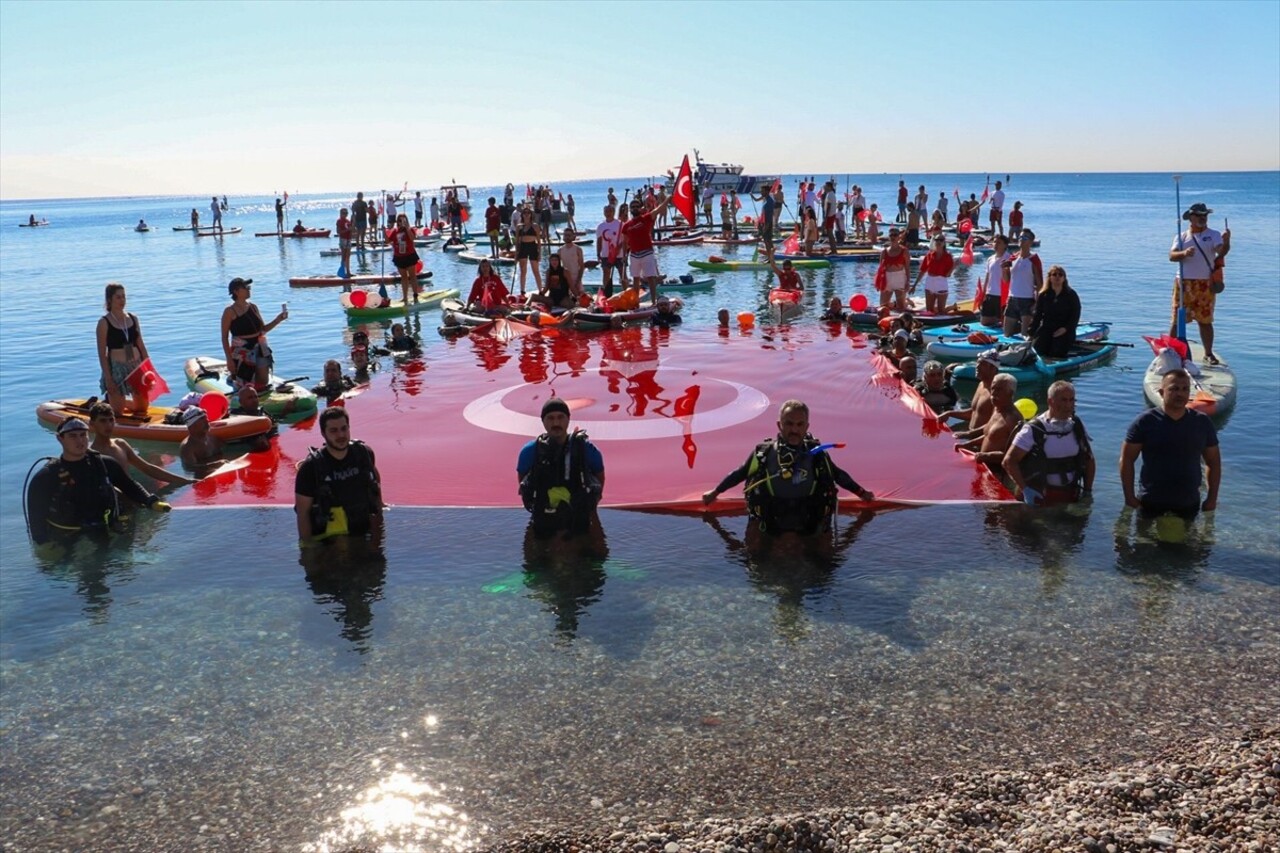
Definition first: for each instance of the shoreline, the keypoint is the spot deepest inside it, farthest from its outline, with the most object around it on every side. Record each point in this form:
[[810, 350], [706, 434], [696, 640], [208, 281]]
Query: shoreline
[[1216, 793]]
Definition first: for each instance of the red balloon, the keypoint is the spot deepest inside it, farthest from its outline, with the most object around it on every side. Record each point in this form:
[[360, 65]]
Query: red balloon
[[358, 298], [418, 269], [858, 302], [215, 405]]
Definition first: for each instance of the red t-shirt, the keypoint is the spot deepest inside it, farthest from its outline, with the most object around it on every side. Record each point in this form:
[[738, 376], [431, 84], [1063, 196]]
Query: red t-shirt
[[402, 242], [492, 219], [639, 233], [788, 279], [932, 264], [1015, 219], [902, 195], [344, 229]]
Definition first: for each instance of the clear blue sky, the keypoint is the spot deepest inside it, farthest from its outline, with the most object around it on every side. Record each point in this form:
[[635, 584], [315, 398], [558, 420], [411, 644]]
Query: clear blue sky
[[195, 98]]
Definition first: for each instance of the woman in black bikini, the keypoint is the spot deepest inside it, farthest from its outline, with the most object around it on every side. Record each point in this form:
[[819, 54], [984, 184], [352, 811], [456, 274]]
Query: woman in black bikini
[[528, 240], [120, 351], [244, 337]]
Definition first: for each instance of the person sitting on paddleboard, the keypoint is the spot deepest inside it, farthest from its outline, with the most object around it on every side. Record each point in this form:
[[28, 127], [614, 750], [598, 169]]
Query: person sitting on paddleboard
[[557, 292], [142, 225], [488, 293], [791, 481]]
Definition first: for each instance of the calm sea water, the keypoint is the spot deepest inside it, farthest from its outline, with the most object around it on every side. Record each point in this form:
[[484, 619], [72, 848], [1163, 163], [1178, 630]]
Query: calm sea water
[[190, 674]]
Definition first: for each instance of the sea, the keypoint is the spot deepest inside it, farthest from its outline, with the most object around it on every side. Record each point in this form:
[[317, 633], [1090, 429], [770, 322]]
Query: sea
[[191, 684]]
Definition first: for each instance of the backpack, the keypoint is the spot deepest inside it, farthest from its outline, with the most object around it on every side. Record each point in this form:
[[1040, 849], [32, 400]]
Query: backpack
[[1018, 355]]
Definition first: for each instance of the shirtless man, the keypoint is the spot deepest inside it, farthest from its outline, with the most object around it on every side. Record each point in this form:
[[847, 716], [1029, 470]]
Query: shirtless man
[[981, 406], [102, 423], [201, 449], [990, 447]]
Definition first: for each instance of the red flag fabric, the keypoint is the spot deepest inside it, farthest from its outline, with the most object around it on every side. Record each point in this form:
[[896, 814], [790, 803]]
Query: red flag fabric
[[980, 294], [682, 195], [466, 214], [146, 377], [777, 185], [966, 257], [966, 225], [986, 193], [1004, 292], [724, 199], [737, 203], [882, 278], [791, 246], [1167, 342]]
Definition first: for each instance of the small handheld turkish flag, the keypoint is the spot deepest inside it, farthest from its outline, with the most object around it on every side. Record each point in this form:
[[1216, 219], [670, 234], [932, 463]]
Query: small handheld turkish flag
[[682, 195]]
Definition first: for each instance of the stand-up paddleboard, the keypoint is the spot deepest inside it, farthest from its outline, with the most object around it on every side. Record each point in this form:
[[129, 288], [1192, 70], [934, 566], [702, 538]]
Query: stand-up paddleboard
[[1213, 386], [349, 281], [396, 307], [211, 233], [154, 426], [205, 373], [310, 232]]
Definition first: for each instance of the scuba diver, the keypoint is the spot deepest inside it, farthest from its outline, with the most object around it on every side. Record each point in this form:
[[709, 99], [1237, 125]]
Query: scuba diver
[[561, 475], [791, 481], [77, 491], [338, 490]]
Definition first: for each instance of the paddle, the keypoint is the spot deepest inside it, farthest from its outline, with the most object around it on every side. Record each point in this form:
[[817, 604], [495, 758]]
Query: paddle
[[284, 384], [1181, 330]]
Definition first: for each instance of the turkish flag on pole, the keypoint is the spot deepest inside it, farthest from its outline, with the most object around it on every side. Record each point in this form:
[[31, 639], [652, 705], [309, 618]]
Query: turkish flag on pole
[[146, 377], [682, 195], [986, 193], [777, 185]]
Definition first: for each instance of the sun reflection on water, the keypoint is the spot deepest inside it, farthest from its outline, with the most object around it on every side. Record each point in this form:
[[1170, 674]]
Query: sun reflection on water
[[399, 813]]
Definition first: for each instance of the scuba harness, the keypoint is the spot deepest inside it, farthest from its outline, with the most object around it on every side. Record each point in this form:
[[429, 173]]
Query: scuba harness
[[558, 490], [63, 513], [790, 489], [1037, 467], [330, 519]]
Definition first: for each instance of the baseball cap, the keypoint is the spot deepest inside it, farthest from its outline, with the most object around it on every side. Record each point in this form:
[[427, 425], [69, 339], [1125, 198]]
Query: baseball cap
[[238, 282], [71, 425], [191, 414]]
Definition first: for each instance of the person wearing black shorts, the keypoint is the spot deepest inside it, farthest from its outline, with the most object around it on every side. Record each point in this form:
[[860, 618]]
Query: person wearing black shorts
[[528, 252]]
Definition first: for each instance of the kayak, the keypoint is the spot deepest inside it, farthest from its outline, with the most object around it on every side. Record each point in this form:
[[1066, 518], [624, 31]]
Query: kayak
[[871, 318], [142, 230], [153, 427], [849, 256], [593, 321], [1083, 356], [203, 233], [310, 232], [784, 305], [687, 282], [40, 224], [457, 247], [735, 266], [957, 347], [1213, 386], [349, 281], [475, 256], [205, 373], [397, 308]]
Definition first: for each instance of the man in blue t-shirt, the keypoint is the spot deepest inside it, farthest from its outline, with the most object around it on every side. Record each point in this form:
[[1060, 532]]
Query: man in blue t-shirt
[[1172, 440], [561, 475]]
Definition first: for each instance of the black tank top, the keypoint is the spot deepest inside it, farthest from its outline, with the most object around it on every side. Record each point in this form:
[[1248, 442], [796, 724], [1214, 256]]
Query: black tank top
[[247, 325], [118, 338]]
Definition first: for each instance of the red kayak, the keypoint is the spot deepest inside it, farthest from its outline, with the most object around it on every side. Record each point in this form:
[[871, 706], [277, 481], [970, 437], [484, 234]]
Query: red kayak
[[338, 281]]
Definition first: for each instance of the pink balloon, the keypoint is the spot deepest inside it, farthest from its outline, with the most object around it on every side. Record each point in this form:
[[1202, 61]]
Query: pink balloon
[[215, 405], [358, 298], [858, 302]]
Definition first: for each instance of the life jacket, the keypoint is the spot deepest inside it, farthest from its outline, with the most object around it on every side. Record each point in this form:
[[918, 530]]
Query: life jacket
[[790, 490], [1037, 467], [69, 515], [558, 490], [327, 518]]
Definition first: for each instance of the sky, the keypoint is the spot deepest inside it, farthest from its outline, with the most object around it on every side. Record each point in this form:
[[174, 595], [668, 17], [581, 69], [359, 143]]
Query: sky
[[105, 98]]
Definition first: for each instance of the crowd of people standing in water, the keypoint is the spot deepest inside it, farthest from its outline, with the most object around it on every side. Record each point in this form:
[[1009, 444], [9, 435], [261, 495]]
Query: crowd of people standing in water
[[790, 482]]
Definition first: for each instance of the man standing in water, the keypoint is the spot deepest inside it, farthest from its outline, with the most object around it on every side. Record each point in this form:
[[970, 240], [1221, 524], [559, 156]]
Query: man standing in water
[[560, 475], [1172, 440], [338, 491], [791, 481], [1197, 251]]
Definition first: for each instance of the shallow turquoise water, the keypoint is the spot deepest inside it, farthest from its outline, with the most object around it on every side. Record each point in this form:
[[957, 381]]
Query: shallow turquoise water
[[195, 661]]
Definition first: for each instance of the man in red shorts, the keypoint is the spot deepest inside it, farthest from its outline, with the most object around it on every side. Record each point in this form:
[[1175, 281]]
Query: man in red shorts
[[637, 239]]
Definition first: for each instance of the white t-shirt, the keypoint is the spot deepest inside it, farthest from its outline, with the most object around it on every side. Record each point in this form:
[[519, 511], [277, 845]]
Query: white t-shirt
[[859, 200], [1197, 266], [830, 204], [997, 200], [1059, 443], [1022, 278], [994, 273], [608, 239]]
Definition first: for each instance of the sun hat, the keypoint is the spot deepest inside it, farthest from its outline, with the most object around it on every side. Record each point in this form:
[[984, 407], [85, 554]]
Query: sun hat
[[1197, 209]]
